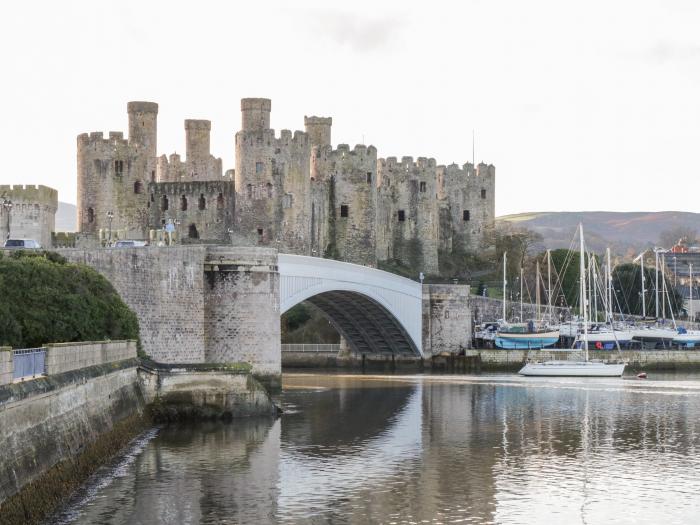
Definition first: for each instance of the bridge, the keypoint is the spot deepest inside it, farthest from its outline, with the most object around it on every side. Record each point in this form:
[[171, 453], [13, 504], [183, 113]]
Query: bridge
[[375, 311], [222, 304]]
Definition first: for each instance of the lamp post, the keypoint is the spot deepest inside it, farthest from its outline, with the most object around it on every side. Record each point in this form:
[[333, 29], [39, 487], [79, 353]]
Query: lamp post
[[110, 216], [7, 204]]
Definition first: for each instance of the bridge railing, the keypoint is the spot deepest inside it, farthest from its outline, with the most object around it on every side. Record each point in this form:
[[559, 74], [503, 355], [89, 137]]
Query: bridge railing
[[327, 348]]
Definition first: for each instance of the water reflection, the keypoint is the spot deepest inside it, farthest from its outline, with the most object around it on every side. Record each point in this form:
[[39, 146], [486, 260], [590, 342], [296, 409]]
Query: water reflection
[[437, 449]]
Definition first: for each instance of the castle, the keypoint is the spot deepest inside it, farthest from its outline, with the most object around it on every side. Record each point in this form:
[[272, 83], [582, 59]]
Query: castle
[[28, 212], [291, 191]]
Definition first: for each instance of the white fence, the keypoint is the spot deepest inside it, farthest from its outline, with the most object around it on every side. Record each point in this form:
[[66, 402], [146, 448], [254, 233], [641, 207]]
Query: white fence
[[334, 349]]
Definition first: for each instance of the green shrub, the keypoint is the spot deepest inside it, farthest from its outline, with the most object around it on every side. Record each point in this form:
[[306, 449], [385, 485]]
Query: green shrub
[[44, 299]]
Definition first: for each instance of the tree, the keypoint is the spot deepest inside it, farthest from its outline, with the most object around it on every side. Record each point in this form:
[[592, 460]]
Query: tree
[[670, 237], [627, 284], [519, 244], [44, 299]]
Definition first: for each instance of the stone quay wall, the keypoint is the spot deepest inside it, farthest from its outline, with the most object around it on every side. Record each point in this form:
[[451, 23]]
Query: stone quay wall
[[58, 429], [447, 323], [513, 360]]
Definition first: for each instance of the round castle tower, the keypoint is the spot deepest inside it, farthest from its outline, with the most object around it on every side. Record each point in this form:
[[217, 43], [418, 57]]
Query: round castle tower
[[113, 174], [272, 182]]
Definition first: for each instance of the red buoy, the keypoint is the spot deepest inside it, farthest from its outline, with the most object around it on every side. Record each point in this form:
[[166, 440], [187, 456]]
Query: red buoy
[[642, 375]]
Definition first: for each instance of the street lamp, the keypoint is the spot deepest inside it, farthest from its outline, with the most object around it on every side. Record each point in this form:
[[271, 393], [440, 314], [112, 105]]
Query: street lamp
[[7, 204], [110, 216]]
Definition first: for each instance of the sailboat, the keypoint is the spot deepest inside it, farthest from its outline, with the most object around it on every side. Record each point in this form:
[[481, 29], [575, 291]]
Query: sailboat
[[608, 335], [522, 336], [583, 368], [654, 334]]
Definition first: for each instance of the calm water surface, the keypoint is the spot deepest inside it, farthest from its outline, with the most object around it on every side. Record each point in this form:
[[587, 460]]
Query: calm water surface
[[422, 449]]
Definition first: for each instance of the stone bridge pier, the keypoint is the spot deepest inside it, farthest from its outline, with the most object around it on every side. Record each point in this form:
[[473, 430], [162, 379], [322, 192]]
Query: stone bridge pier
[[222, 304]]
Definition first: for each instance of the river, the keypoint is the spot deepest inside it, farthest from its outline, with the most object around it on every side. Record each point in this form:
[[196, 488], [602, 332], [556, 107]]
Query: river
[[421, 449]]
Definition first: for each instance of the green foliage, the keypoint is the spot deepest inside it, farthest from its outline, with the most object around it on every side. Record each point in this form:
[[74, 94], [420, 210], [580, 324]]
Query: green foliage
[[297, 316], [44, 299], [627, 283]]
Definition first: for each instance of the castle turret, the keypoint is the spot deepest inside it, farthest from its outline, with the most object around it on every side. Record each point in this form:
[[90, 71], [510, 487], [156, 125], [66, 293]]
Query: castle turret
[[319, 130], [255, 113], [143, 126], [272, 182], [197, 138]]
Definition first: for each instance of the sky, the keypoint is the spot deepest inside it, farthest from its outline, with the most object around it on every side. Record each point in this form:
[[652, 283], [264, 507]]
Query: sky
[[590, 105]]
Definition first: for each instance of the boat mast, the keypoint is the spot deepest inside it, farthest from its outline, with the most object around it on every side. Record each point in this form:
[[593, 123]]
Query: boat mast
[[641, 269], [549, 285], [656, 283], [521, 295], [591, 262], [690, 289], [608, 276], [537, 291], [584, 311], [664, 290], [504, 287]]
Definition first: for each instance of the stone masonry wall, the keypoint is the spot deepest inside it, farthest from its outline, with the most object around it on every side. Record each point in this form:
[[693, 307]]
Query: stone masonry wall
[[6, 365], [165, 288], [53, 419], [33, 213], [446, 318], [241, 309], [351, 177], [272, 180], [407, 213], [486, 309], [63, 357], [198, 210]]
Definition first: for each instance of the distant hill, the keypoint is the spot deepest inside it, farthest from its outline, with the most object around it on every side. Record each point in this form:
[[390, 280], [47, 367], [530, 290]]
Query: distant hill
[[66, 217], [624, 232]]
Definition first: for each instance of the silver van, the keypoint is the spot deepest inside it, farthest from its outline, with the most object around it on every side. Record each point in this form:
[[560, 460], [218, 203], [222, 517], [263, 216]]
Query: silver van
[[22, 243]]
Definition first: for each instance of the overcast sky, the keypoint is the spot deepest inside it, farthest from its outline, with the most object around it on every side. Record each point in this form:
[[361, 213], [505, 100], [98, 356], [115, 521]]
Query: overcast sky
[[590, 105]]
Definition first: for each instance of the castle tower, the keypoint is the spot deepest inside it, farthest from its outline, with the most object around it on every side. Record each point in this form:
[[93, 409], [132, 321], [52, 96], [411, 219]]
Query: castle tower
[[143, 126], [407, 213], [272, 182], [319, 130], [113, 175], [255, 113]]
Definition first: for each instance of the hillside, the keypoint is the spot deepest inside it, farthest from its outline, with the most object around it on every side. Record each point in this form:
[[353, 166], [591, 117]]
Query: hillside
[[623, 231], [66, 217]]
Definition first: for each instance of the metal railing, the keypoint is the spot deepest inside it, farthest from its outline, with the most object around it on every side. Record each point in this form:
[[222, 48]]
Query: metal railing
[[330, 348], [29, 362]]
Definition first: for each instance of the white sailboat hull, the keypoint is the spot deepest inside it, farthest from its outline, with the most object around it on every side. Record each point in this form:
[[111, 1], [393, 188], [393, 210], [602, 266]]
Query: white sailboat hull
[[573, 369]]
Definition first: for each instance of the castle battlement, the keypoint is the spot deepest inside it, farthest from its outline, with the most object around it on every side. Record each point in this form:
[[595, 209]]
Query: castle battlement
[[97, 138], [359, 207], [36, 194], [407, 163]]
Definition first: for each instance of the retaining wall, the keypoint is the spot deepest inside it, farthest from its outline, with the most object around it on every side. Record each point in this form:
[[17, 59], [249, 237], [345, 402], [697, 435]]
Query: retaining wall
[[63, 357], [58, 429], [513, 360], [6, 365]]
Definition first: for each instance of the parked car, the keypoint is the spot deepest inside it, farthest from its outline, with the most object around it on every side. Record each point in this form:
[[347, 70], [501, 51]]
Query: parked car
[[130, 244], [22, 243]]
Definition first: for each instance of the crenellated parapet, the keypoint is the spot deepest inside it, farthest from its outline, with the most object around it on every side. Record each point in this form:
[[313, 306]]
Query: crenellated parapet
[[28, 212]]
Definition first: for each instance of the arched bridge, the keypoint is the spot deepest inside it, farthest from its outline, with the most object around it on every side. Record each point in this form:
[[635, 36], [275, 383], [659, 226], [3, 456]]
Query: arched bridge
[[375, 311], [222, 304]]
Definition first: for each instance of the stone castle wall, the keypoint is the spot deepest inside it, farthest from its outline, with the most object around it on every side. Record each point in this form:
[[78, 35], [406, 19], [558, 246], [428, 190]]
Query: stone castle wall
[[292, 191], [408, 213], [201, 210], [32, 215]]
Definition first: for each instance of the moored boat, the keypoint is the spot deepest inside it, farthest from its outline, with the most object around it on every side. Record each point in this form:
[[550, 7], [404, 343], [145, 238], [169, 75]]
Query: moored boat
[[573, 369]]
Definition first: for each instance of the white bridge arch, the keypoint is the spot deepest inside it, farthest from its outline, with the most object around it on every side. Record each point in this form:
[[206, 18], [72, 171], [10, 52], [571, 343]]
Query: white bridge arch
[[374, 310]]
